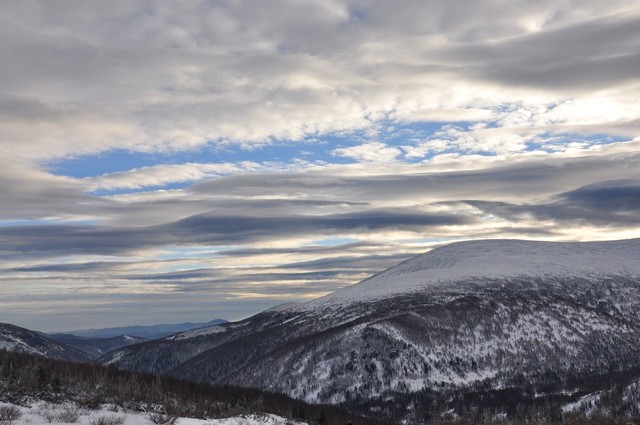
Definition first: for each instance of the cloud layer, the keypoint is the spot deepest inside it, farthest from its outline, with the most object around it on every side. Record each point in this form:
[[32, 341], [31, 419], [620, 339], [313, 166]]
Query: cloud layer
[[216, 159]]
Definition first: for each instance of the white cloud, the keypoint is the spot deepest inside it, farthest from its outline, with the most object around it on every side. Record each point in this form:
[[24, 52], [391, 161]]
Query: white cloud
[[369, 152], [169, 76], [160, 175]]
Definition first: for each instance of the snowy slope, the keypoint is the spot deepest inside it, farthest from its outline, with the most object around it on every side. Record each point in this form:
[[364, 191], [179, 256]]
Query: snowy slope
[[14, 338]]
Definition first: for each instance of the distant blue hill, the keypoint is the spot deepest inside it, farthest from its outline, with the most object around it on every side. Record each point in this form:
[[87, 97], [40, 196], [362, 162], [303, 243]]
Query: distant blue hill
[[148, 332]]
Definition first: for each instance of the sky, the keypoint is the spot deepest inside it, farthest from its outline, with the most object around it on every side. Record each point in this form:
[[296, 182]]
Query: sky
[[169, 161]]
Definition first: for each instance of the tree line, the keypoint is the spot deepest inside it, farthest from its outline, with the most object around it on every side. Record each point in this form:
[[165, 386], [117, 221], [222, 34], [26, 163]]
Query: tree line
[[24, 377]]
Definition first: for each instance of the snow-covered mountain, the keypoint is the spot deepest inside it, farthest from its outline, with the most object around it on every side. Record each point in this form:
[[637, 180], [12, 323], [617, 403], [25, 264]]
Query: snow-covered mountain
[[15, 338], [492, 259], [482, 315]]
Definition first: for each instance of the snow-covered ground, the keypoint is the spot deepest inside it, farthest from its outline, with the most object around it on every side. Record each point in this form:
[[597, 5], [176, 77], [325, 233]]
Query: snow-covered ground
[[45, 414]]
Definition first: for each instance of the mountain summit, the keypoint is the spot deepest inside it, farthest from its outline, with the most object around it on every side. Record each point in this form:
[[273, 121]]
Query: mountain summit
[[482, 315], [493, 259]]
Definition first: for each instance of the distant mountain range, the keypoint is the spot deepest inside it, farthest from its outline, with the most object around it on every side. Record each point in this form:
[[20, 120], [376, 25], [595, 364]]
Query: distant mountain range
[[147, 332], [67, 346], [96, 347], [540, 319]]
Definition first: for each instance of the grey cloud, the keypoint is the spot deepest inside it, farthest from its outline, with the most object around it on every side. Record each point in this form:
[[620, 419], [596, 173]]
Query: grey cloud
[[619, 196], [362, 263], [503, 180], [359, 250], [374, 219], [596, 53], [94, 266], [30, 193], [355, 246], [188, 280], [332, 268], [209, 229], [65, 239], [334, 204], [610, 203], [212, 275]]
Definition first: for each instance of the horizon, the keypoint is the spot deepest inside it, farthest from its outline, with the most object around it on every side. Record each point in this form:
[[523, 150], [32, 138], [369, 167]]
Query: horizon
[[168, 162]]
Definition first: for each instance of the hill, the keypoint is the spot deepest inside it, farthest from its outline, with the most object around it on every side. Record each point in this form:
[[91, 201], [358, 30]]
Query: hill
[[14, 338]]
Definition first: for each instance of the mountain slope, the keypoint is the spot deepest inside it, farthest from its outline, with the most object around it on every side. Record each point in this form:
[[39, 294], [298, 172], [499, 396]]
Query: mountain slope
[[96, 347], [162, 355], [485, 314], [15, 338]]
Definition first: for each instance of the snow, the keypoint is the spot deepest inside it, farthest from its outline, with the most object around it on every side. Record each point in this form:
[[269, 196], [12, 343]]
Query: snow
[[494, 259], [209, 330], [7, 345], [584, 404], [13, 343], [35, 415], [591, 403], [115, 358], [282, 307]]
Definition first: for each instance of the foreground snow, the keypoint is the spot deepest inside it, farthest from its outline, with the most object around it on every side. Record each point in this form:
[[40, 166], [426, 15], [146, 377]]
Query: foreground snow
[[45, 414]]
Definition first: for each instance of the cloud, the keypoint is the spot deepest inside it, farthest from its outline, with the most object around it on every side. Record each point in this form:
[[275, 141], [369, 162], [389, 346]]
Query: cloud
[[152, 78], [28, 192], [609, 203], [603, 53], [256, 260], [420, 124], [211, 230], [161, 175], [368, 152]]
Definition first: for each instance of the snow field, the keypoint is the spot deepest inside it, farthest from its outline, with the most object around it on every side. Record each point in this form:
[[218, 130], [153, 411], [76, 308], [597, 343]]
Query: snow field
[[45, 414]]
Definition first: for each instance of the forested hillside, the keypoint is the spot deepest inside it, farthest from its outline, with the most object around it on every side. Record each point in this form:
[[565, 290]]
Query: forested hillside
[[25, 378]]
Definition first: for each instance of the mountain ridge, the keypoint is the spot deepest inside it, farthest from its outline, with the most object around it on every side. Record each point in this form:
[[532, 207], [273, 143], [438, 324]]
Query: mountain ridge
[[480, 259], [15, 338]]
